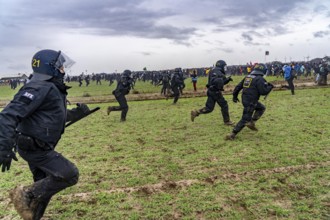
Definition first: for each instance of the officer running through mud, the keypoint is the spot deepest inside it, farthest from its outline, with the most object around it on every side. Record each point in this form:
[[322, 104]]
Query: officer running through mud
[[124, 85], [35, 120], [216, 81], [254, 85]]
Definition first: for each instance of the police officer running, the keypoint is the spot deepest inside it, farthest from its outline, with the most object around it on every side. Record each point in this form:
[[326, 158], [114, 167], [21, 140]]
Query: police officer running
[[124, 86], [254, 85], [35, 119], [216, 81], [177, 84]]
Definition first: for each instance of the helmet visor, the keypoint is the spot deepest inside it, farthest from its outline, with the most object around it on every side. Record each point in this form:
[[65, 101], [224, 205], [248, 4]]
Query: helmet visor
[[63, 61]]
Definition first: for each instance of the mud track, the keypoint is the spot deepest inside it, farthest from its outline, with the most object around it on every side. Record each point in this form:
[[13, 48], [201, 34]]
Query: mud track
[[170, 185]]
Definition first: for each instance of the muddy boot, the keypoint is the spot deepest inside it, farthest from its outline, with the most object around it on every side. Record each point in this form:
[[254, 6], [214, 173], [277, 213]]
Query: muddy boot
[[251, 125], [109, 110], [23, 202], [229, 123], [40, 210], [230, 136], [193, 115]]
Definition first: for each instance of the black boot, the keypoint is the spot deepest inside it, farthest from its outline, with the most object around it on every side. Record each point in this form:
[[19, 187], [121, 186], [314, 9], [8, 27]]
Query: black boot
[[251, 125], [109, 110], [193, 115], [28, 205]]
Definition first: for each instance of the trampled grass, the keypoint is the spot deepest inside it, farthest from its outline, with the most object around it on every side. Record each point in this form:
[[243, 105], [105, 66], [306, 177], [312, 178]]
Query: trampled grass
[[160, 165]]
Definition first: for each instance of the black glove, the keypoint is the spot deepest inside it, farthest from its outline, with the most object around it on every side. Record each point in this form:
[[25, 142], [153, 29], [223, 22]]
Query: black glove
[[5, 159], [271, 85], [78, 113], [229, 79], [235, 99], [81, 107]]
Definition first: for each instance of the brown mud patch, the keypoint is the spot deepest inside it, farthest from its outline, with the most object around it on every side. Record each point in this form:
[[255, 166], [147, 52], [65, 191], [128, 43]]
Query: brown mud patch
[[181, 184]]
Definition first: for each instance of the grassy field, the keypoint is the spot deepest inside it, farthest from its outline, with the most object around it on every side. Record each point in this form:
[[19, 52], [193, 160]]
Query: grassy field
[[160, 165]]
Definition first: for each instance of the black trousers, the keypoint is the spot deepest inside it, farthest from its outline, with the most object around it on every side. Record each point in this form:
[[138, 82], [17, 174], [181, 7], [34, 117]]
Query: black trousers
[[251, 112], [290, 85], [214, 97], [51, 173], [123, 107], [175, 94]]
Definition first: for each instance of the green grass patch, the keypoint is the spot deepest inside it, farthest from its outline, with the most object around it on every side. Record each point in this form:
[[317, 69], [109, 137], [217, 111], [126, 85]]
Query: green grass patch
[[160, 165]]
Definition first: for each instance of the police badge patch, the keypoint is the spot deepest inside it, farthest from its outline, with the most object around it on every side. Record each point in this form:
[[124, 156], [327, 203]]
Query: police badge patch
[[26, 98]]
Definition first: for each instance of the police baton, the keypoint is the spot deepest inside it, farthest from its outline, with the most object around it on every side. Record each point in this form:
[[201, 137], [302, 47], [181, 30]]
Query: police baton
[[90, 112]]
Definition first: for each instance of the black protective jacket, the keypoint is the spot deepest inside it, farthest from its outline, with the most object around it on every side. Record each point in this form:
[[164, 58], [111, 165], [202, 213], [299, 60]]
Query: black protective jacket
[[217, 79], [176, 80], [124, 86], [38, 110], [254, 85]]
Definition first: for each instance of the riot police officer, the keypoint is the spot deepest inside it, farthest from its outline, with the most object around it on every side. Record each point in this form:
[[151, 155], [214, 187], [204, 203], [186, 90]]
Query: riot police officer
[[216, 81], [177, 84], [124, 86], [35, 119], [165, 82], [253, 85]]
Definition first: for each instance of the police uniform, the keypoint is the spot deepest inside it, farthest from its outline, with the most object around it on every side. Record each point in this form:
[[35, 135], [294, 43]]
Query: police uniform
[[253, 85], [216, 82], [124, 86], [34, 121], [176, 84]]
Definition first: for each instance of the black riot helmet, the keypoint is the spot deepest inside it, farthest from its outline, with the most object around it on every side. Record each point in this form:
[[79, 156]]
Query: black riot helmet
[[47, 64], [261, 68], [177, 70], [222, 65], [127, 73]]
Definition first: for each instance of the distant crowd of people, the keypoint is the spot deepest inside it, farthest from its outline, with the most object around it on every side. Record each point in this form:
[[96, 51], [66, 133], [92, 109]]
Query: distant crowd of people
[[300, 69]]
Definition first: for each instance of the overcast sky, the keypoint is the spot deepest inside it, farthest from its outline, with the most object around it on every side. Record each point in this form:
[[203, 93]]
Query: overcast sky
[[113, 35]]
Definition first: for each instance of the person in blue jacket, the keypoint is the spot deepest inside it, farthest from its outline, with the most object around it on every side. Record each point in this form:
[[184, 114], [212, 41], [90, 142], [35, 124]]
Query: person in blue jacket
[[289, 75]]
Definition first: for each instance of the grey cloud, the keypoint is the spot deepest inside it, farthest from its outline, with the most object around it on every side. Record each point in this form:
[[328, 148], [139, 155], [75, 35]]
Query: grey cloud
[[257, 14], [321, 34], [247, 37], [146, 53], [250, 43], [227, 50], [320, 8], [113, 18]]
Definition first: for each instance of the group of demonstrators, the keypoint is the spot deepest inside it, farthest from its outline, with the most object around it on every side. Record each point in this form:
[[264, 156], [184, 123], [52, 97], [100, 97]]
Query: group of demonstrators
[[33, 122]]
